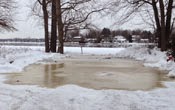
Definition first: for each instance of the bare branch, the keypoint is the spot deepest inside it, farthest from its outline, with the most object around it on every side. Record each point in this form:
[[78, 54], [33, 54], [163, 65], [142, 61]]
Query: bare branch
[[7, 8]]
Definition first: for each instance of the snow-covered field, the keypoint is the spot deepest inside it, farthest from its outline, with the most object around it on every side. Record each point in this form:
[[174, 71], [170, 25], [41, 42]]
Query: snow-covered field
[[72, 97]]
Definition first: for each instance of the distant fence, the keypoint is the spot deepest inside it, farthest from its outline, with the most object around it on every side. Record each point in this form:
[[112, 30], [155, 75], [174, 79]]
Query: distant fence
[[76, 44]]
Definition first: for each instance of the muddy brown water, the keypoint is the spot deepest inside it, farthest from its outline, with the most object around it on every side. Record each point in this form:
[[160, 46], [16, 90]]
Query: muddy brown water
[[98, 74]]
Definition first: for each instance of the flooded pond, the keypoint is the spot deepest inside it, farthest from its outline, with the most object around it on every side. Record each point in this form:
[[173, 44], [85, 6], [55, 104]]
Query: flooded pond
[[97, 74]]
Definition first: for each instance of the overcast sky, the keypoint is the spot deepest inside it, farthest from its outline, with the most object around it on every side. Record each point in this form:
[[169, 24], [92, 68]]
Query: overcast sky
[[28, 27]]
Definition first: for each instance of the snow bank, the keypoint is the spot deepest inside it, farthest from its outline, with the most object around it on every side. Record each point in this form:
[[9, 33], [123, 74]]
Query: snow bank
[[14, 59], [151, 57], [71, 97]]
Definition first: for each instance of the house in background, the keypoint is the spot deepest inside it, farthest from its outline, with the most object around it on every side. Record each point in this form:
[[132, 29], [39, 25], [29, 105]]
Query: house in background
[[144, 40], [136, 38], [119, 39]]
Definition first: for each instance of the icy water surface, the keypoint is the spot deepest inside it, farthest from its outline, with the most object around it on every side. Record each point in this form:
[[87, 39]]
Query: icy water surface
[[97, 74]]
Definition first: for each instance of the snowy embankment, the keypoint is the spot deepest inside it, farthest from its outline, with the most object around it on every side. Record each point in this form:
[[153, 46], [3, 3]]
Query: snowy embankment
[[14, 59], [72, 97], [151, 58]]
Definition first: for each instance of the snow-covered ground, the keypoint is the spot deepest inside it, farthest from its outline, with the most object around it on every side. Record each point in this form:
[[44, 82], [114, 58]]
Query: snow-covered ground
[[72, 97]]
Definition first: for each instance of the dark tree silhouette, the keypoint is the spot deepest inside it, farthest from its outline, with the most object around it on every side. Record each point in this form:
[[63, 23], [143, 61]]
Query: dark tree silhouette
[[41, 6], [53, 44], [130, 39], [106, 32]]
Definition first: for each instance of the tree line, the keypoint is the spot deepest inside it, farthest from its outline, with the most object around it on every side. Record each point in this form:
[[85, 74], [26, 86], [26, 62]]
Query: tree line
[[106, 33]]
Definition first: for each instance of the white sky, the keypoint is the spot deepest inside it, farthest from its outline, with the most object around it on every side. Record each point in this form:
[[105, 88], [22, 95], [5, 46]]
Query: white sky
[[28, 27]]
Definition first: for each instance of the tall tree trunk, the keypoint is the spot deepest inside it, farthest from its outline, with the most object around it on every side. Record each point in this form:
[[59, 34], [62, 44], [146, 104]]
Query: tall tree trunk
[[54, 27], [60, 28], [168, 20], [46, 31], [156, 17], [163, 28]]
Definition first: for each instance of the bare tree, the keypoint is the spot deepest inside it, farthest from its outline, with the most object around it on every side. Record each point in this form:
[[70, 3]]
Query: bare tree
[[7, 8], [41, 6], [72, 13], [53, 44], [162, 11], [60, 27]]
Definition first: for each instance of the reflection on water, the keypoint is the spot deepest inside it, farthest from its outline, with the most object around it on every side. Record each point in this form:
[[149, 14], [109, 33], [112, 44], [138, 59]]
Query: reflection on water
[[92, 74]]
